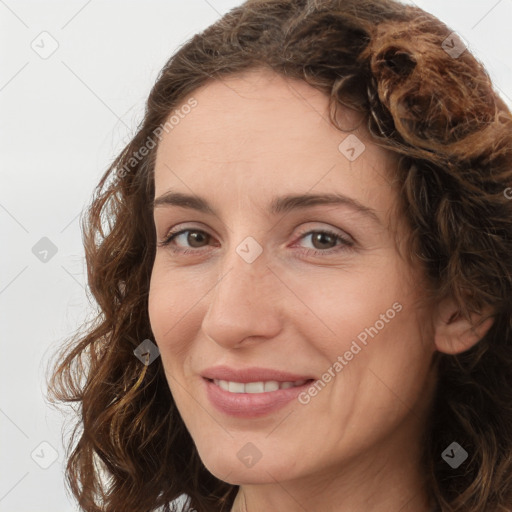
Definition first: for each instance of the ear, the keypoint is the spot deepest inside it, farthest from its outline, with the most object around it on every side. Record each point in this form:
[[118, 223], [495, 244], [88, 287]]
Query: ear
[[453, 333]]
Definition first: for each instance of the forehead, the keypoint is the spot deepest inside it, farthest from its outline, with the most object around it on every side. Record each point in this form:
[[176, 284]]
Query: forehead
[[261, 131], [253, 106]]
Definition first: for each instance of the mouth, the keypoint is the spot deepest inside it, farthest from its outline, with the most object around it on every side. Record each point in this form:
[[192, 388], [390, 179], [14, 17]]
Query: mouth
[[252, 392], [257, 387]]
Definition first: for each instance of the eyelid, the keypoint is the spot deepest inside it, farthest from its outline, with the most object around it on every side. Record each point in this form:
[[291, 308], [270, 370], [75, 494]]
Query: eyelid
[[184, 226], [334, 230]]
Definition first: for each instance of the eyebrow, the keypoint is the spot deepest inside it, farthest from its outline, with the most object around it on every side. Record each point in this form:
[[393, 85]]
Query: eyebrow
[[277, 205]]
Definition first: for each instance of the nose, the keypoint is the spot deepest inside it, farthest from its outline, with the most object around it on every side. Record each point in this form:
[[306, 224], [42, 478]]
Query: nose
[[244, 305]]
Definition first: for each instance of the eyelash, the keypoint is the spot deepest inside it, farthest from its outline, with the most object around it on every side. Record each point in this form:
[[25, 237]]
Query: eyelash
[[346, 243]]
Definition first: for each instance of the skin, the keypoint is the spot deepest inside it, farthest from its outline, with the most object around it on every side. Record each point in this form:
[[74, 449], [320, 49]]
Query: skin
[[356, 445]]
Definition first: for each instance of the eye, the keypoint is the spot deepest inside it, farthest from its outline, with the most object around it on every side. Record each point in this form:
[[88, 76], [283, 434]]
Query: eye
[[324, 241], [195, 238]]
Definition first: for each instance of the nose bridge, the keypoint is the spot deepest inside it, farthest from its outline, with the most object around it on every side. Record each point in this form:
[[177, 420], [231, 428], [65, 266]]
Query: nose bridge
[[244, 267], [244, 301]]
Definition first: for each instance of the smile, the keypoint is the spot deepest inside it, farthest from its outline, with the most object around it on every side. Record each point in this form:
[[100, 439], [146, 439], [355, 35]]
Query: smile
[[256, 387]]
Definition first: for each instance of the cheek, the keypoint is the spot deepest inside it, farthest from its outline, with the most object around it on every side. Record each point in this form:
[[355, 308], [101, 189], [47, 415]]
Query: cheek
[[341, 304], [165, 310], [175, 305], [386, 358], [367, 333], [159, 302], [171, 296], [167, 307]]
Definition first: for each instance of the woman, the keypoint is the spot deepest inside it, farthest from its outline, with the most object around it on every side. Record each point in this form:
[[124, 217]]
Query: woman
[[371, 374]]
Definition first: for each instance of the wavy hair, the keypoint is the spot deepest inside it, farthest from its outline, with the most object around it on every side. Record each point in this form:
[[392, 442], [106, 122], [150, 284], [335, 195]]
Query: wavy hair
[[438, 112]]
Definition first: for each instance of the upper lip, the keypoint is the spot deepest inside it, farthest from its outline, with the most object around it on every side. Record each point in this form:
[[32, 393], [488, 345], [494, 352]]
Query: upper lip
[[252, 374]]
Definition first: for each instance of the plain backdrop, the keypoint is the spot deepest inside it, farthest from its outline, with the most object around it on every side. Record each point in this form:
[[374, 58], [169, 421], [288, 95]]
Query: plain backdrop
[[64, 117]]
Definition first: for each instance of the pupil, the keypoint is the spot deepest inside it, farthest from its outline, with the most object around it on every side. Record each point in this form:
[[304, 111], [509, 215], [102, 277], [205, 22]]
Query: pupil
[[321, 238], [193, 238]]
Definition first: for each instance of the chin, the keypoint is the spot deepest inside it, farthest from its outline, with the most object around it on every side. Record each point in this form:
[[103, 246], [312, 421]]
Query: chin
[[234, 471], [233, 474]]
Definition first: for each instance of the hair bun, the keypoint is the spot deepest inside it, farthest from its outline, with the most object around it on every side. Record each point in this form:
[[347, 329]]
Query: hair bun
[[433, 97], [393, 63]]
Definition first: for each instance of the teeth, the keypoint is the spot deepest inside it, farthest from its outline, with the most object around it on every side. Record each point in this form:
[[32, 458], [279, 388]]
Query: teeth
[[235, 387], [271, 385], [256, 387], [224, 384]]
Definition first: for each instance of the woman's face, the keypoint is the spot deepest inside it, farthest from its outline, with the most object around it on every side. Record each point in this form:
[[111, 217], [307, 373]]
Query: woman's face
[[262, 291]]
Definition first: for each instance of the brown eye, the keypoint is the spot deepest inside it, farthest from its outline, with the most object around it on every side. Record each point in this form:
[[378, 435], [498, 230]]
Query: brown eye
[[191, 238], [323, 240], [196, 238]]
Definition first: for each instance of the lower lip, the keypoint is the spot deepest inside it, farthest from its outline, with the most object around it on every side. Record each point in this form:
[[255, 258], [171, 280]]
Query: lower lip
[[251, 405]]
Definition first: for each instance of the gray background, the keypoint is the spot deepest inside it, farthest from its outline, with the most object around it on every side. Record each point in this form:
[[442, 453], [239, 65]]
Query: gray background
[[63, 120]]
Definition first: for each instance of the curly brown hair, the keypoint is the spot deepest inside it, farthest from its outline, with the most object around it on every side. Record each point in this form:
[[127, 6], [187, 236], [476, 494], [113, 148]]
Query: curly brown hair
[[439, 113]]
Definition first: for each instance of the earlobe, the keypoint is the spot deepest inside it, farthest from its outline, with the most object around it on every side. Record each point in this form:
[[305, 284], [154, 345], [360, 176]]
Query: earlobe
[[453, 333]]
